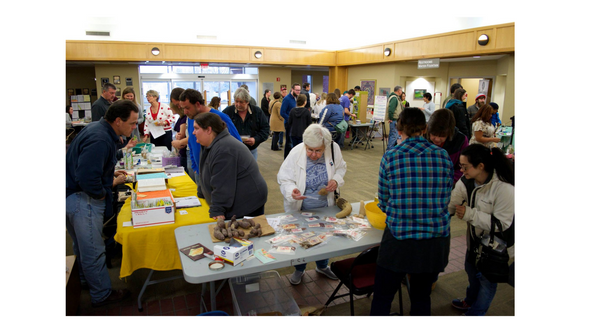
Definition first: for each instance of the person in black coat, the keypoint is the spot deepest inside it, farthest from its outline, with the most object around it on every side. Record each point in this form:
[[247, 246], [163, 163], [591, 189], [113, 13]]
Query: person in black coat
[[459, 110], [299, 120], [264, 103]]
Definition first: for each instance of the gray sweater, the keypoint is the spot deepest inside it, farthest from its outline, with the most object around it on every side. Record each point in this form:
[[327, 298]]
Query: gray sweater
[[230, 179]]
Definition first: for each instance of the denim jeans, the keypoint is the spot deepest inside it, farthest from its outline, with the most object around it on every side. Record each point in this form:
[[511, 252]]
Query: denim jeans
[[393, 136], [388, 282], [322, 264], [255, 153], [85, 219], [480, 291]]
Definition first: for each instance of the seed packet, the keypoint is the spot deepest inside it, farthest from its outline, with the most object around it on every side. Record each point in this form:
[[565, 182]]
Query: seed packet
[[330, 219], [279, 239], [308, 234], [289, 226], [280, 249], [295, 230], [310, 242], [307, 214], [359, 220], [264, 256], [316, 225], [312, 219]]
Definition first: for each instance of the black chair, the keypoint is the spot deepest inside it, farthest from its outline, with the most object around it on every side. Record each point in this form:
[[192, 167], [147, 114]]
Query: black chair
[[358, 275]]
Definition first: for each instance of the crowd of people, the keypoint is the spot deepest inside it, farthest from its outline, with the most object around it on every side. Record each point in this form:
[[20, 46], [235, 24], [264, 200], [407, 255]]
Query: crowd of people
[[437, 163]]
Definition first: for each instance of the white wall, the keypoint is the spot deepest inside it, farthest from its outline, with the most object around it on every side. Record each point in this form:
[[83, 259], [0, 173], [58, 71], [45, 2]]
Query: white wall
[[419, 83]]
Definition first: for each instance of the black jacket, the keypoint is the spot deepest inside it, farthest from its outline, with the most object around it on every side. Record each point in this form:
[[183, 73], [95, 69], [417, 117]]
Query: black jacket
[[299, 120], [255, 125], [264, 105], [462, 118]]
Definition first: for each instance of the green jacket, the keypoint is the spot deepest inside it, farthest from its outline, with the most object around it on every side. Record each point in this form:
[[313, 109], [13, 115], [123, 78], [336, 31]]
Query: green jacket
[[394, 107]]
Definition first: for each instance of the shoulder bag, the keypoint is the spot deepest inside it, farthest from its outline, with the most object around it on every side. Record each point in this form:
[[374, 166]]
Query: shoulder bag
[[492, 257]]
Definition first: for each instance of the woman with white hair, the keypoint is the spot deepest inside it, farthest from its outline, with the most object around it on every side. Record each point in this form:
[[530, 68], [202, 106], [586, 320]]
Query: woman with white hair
[[158, 114], [312, 165]]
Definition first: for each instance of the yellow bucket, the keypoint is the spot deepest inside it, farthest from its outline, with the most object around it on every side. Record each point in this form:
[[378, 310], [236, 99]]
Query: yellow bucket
[[375, 215]]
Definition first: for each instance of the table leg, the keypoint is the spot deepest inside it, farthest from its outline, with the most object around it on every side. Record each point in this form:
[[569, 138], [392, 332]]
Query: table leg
[[213, 297], [149, 282]]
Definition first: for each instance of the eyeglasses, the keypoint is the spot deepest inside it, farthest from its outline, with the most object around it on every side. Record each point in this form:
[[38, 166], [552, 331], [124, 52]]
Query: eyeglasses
[[464, 167], [315, 151]]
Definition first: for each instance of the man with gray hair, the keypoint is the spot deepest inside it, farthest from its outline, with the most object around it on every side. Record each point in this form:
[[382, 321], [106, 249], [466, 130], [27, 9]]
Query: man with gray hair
[[252, 100], [249, 120], [101, 104], [394, 109]]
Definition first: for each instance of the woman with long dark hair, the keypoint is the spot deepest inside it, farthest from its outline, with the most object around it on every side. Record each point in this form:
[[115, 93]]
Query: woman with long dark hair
[[487, 188]]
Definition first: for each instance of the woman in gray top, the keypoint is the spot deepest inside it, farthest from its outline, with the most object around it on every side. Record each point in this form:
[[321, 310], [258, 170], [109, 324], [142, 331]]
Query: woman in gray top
[[229, 177]]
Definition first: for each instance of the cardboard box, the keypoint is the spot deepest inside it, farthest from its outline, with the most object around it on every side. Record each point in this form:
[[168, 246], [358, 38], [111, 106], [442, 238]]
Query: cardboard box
[[236, 252], [146, 212]]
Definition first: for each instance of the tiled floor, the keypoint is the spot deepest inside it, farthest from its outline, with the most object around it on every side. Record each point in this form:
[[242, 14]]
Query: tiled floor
[[314, 289]]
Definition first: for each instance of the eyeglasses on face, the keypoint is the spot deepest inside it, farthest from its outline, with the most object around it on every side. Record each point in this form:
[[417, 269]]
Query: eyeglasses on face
[[464, 166], [315, 151]]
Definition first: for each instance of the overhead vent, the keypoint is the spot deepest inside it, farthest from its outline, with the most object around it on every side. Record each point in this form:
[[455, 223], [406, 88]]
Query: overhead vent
[[297, 41], [98, 33]]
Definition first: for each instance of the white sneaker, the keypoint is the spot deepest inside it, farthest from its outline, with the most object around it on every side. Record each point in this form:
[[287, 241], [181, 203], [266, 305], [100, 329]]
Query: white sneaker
[[296, 278], [327, 272]]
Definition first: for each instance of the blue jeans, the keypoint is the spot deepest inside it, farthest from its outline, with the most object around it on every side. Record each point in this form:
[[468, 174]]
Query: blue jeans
[[85, 219], [480, 291], [255, 153], [393, 136], [322, 264]]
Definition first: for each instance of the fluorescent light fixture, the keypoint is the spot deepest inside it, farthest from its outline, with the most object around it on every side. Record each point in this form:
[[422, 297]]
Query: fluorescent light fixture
[[206, 37], [297, 41], [98, 33]]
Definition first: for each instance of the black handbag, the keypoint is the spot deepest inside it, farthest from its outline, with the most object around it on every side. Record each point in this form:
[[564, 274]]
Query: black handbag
[[492, 255]]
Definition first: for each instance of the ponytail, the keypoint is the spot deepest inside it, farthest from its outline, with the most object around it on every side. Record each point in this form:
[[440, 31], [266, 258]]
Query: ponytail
[[492, 159]]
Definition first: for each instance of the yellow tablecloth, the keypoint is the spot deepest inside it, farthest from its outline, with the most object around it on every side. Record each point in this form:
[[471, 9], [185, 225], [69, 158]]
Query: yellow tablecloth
[[155, 247]]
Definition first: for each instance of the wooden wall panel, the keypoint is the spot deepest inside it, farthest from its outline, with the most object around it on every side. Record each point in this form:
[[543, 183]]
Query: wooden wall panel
[[359, 56], [299, 57], [111, 51], [181, 52], [505, 37]]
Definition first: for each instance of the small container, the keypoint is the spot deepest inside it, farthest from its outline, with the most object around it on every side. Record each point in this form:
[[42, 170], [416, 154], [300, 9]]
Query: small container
[[216, 265]]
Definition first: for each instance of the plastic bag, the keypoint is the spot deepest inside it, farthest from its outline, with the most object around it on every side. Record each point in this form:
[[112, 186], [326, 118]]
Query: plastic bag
[[283, 249]]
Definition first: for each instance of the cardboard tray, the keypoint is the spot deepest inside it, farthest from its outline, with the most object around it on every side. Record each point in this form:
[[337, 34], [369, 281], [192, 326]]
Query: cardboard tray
[[262, 220]]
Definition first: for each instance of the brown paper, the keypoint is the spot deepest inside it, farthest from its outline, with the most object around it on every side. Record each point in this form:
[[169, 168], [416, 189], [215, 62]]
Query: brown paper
[[262, 220]]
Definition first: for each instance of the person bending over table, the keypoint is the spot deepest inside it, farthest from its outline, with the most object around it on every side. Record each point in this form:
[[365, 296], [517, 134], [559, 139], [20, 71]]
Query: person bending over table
[[159, 114], [414, 188], [314, 164], [484, 132], [229, 177], [90, 165], [442, 132]]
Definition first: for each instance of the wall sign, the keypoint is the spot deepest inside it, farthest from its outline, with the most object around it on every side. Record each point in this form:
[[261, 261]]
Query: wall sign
[[429, 63]]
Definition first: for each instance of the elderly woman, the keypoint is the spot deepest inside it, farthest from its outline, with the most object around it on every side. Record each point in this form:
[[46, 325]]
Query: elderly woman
[[129, 94], [415, 184], [229, 177], [249, 120], [159, 114], [276, 121], [484, 132], [442, 132], [314, 164]]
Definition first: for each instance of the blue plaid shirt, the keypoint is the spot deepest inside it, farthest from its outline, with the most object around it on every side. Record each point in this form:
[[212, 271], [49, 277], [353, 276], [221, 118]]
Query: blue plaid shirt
[[414, 187]]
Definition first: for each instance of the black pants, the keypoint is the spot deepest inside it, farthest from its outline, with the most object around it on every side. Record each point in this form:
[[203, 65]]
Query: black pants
[[163, 140], [288, 143], [387, 283], [275, 140]]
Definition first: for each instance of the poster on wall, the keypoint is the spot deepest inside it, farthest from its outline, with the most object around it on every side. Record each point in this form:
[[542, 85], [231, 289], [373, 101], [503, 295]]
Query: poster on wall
[[128, 81], [117, 79], [384, 91], [369, 86], [418, 94], [483, 87]]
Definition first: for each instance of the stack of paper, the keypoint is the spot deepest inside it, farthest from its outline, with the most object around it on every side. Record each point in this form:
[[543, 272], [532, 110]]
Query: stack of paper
[[186, 202], [153, 184]]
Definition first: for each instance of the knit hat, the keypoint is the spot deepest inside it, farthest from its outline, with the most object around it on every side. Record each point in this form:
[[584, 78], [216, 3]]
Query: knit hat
[[479, 95], [494, 105]]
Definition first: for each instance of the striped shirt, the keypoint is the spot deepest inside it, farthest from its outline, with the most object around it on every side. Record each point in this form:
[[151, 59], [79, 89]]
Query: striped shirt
[[414, 187]]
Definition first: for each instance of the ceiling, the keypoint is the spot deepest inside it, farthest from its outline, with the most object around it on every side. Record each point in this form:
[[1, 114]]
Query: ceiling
[[319, 25]]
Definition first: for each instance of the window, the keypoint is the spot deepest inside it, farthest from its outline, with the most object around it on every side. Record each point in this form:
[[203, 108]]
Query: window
[[154, 69]]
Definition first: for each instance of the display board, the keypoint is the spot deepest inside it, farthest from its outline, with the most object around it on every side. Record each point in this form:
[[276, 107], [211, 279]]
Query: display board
[[82, 107], [379, 108]]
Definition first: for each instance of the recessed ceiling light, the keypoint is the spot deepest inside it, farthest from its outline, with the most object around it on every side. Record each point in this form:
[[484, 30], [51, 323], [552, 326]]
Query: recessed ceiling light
[[387, 52], [258, 54], [297, 41], [206, 37], [483, 40]]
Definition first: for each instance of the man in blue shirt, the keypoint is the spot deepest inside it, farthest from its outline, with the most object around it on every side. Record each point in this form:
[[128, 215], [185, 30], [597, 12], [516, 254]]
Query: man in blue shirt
[[288, 103], [101, 104], [90, 170], [495, 117], [192, 102]]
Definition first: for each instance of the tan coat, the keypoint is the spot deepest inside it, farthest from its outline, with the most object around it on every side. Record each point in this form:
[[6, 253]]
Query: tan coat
[[276, 122]]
